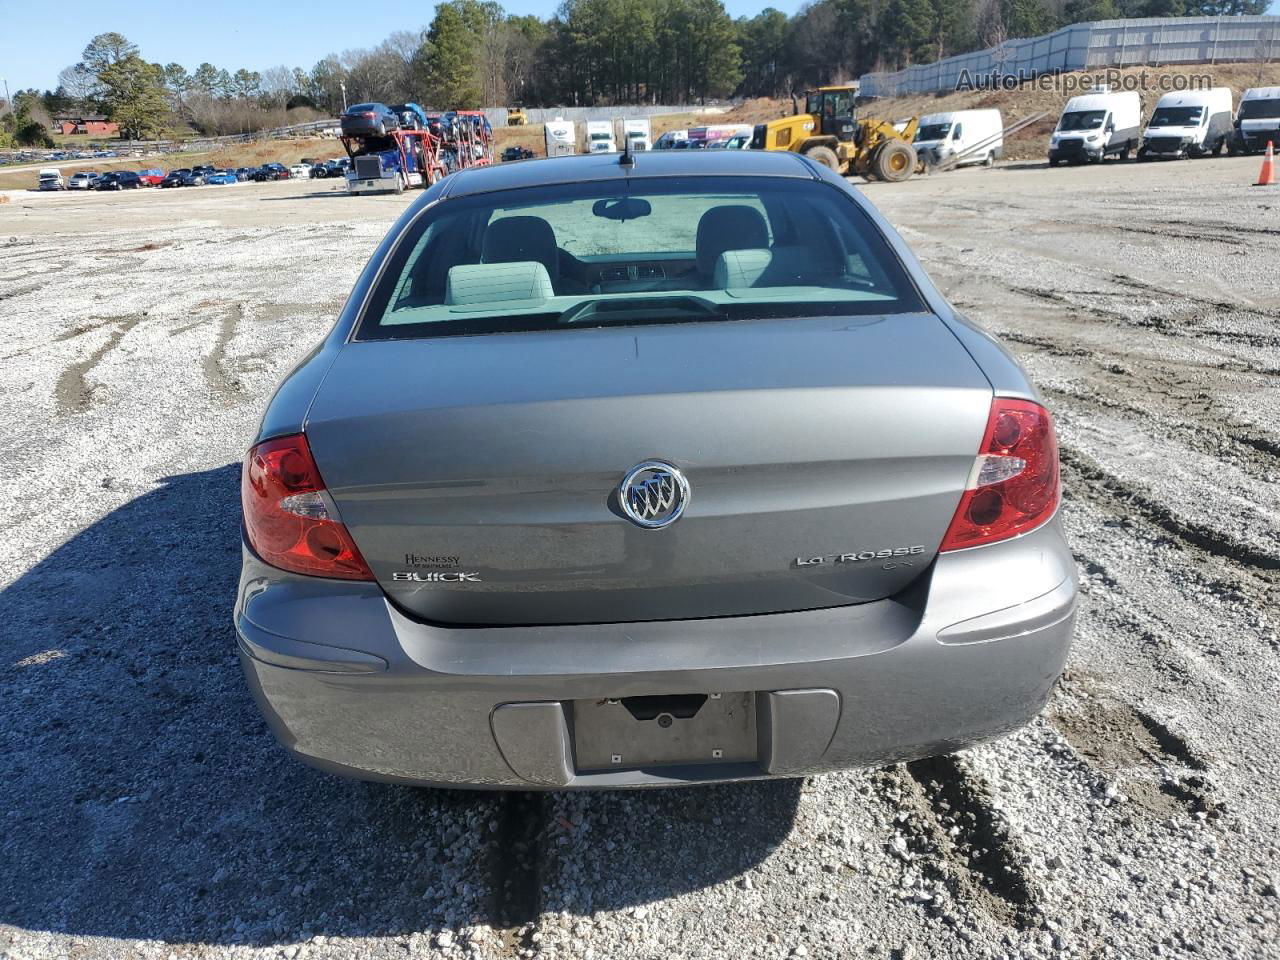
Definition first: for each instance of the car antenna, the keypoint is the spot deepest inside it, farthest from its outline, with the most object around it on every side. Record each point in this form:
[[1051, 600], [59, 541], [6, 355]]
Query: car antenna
[[627, 159]]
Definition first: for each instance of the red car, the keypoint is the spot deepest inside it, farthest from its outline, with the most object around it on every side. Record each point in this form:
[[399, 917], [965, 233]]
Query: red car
[[151, 178]]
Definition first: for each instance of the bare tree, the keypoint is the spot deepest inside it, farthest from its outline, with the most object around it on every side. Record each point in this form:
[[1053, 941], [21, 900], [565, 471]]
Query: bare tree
[[77, 82]]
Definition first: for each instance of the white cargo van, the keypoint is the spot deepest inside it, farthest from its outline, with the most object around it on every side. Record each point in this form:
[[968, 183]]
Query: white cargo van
[[965, 136], [637, 132], [561, 138], [600, 137], [1192, 123], [1095, 126], [1258, 122], [50, 178]]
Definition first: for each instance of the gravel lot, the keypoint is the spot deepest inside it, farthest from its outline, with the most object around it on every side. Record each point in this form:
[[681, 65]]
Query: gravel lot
[[148, 813]]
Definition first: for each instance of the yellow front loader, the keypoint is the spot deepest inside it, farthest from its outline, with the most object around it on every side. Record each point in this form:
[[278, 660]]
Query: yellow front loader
[[830, 132]]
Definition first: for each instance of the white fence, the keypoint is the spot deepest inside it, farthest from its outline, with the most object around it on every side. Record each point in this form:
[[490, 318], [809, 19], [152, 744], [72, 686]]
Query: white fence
[[498, 115], [1100, 45]]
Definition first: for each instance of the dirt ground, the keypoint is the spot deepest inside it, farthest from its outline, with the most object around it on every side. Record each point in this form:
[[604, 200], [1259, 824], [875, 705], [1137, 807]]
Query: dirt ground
[[148, 813]]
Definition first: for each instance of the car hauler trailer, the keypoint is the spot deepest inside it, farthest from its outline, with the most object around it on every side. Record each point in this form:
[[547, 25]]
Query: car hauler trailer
[[418, 158], [394, 163]]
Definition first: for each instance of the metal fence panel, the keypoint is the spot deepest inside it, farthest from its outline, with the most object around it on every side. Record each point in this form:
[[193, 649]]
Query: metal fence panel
[[498, 115], [1148, 41]]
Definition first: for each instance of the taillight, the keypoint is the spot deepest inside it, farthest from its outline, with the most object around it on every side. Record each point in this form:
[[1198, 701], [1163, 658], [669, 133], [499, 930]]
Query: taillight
[[1014, 484], [287, 519]]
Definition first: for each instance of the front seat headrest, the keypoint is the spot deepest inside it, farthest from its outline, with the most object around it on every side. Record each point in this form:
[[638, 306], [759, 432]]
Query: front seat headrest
[[731, 227], [516, 239]]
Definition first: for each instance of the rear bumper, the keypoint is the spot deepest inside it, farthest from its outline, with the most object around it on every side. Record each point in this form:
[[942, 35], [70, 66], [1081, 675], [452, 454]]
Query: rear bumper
[[349, 684]]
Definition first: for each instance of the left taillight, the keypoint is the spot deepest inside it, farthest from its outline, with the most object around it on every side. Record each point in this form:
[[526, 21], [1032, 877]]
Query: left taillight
[[1014, 485], [287, 518]]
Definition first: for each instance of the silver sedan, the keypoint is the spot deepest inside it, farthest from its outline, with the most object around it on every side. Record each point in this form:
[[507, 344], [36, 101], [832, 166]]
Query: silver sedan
[[665, 470]]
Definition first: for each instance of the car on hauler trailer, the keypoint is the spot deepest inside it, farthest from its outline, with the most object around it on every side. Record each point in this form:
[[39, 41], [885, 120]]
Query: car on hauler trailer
[[649, 470]]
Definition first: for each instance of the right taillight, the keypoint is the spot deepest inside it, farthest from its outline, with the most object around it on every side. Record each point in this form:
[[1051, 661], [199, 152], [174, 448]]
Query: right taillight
[[1014, 484], [286, 518]]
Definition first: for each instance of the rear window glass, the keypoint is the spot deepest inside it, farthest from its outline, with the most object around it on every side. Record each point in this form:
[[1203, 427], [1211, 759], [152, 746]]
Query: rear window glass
[[641, 251]]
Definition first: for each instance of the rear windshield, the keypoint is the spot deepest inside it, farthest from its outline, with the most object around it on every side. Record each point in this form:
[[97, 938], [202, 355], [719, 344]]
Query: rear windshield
[[675, 250]]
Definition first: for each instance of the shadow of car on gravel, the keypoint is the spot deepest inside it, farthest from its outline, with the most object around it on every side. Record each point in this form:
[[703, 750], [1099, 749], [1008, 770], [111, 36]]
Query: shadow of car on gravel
[[144, 797]]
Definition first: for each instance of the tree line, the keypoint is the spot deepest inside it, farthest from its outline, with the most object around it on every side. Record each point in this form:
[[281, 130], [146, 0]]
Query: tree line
[[590, 53]]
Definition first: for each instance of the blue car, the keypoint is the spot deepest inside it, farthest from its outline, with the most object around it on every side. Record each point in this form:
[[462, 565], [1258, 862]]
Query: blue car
[[222, 176]]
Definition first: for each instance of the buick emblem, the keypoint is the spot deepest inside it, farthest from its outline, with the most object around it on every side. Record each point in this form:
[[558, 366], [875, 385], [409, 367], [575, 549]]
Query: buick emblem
[[653, 494]]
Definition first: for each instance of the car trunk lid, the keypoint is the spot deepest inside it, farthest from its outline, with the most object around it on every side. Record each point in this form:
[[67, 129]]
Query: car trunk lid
[[479, 475]]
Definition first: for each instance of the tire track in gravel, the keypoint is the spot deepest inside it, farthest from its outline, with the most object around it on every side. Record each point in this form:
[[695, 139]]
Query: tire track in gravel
[[1120, 742], [72, 391], [516, 866], [220, 384], [970, 845], [1103, 485], [1199, 430]]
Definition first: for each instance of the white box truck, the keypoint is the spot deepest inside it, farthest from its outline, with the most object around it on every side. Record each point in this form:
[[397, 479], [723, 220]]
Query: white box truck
[[561, 138], [637, 132], [1095, 126], [961, 136], [1192, 123], [600, 137], [1258, 122]]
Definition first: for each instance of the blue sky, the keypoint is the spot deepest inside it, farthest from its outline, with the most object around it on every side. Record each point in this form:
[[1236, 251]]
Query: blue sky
[[256, 36], [35, 46]]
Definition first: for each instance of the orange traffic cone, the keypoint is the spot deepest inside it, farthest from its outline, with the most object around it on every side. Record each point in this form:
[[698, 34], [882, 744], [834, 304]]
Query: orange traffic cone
[[1267, 176]]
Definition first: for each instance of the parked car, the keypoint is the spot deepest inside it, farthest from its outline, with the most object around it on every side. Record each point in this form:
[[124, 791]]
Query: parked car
[[245, 173], [334, 167], [300, 171], [182, 178], [516, 153], [151, 177], [83, 180], [222, 177], [272, 171], [369, 120], [410, 115], [50, 179], [831, 537], [118, 180]]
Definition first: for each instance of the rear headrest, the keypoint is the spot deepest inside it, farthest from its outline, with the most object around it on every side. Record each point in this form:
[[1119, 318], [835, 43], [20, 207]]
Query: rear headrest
[[782, 266], [731, 227], [497, 283], [739, 268], [513, 239]]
